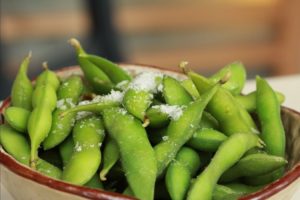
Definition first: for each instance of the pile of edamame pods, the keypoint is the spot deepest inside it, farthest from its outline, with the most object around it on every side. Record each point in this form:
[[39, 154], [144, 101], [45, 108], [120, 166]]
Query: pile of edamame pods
[[151, 136]]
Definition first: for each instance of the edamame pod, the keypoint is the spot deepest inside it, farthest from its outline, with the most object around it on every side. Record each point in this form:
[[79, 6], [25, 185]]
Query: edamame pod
[[98, 104], [174, 93], [223, 106], [180, 172], [139, 94], [44, 95], [233, 191], [208, 121], [68, 95], [253, 165], [48, 169], [237, 77], [206, 181], [95, 76], [272, 130], [206, 139], [190, 87], [248, 101], [95, 182], [38, 129], [15, 144], [137, 155], [17, 118], [111, 155], [66, 149], [114, 72], [160, 115], [47, 77], [88, 134], [44, 102], [181, 130], [156, 117], [18, 147], [22, 88], [268, 110]]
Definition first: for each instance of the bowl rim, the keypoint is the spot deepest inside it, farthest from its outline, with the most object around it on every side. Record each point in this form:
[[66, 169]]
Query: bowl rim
[[96, 194]]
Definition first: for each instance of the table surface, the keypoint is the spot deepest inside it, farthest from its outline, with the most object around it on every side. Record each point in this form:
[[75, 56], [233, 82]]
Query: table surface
[[288, 85]]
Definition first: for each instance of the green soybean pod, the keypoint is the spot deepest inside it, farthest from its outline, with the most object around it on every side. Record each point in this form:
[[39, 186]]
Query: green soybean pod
[[262, 179], [88, 134], [232, 191], [181, 130], [237, 77], [111, 155], [180, 172], [232, 118], [253, 165], [18, 147], [205, 183], [136, 153], [268, 110], [139, 94], [95, 76], [114, 72], [94, 182], [243, 188], [48, 77], [206, 139], [100, 82], [190, 87], [160, 115], [17, 118], [22, 88], [66, 149], [68, 95], [174, 93], [222, 192], [38, 129], [15, 144], [208, 121], [272, 130], [44, 96], [248, 101], [156, 117], [48, 169], [137, 102]]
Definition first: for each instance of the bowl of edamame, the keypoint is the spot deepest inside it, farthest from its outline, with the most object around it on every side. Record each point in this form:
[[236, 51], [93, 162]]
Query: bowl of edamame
[[102, 130]]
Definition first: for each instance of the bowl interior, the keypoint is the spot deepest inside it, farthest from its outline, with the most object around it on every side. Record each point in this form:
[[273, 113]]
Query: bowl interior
[[291, 121]]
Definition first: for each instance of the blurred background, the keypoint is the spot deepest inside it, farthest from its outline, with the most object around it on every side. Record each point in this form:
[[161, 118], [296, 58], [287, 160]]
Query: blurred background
[[263, 34]]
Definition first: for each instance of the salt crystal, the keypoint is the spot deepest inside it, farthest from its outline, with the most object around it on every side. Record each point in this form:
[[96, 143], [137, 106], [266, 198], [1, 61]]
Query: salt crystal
[[160, 87], [146, 81], [165, 138], [82, 114], [122, 85], [174, 112], [115, 96], [60, 103]]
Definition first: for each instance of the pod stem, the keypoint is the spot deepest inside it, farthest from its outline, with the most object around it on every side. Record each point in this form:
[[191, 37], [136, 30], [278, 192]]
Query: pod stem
[[103, 175], [45, 65], [33, 159], [76, 44], [225, 78], [183, 66], [146, 122]]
